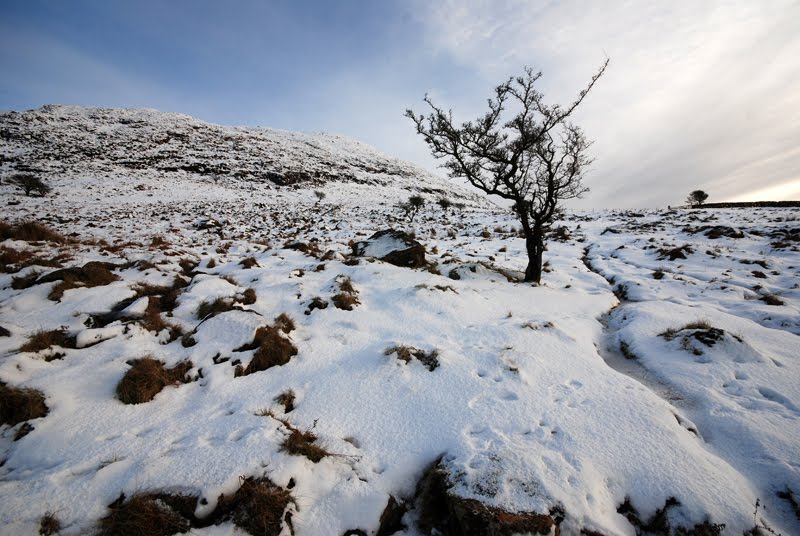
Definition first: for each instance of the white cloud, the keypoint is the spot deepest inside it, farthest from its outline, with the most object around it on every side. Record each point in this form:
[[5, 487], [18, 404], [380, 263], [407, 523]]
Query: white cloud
[[698, 94]]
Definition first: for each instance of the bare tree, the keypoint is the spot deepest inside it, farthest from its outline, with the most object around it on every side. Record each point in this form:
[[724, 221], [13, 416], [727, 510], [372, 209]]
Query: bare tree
[[697, 198], [532, 156], [412, 206], [29, 183]]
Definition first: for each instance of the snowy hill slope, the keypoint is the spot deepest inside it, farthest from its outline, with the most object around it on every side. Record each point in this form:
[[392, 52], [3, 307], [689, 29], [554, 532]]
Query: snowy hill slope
[[649, 386], [74, 141]]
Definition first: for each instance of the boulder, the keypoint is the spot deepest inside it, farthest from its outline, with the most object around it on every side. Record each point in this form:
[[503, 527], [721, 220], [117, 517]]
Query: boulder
[[394, 247]]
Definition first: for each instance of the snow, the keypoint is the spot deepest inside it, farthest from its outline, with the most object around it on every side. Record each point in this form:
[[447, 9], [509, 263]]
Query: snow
[[528, 409]]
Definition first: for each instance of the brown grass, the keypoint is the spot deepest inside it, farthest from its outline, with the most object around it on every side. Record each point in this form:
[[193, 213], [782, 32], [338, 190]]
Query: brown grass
[[11, 259], [248, 262], [18, 405], [153, 321], [42, 340], [147, 377], [286, 399], [273, 350], [25, 281], [249, 297], [30, 231], [208, 309], [167, 294], [258, 507], [284, 323], [49, 525], [91, 274], [348, 295], [299, 443], [345, 301], [142, 514]]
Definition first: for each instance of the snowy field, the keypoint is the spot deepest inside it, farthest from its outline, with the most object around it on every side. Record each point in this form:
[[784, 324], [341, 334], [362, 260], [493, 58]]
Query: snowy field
[[654, 376]]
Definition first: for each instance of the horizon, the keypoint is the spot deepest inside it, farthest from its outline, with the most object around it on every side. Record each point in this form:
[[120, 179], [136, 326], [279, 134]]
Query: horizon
[[353, 68]]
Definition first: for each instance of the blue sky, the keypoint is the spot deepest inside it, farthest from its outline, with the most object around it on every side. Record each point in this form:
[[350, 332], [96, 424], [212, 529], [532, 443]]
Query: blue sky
[[698, 94]]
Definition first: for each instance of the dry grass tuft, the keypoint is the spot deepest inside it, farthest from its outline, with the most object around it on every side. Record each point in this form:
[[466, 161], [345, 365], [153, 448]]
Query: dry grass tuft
[[42, 340], [348, 295], [772, 299], [143, 514], [248, 262], [147, 377], [30, 231], [49, 525], [258, 507], [284, 323], [91, 274], [299, 443], [208, 309], [286, 399], [249, 297], [12, 260], [273, 350], [18, 405]]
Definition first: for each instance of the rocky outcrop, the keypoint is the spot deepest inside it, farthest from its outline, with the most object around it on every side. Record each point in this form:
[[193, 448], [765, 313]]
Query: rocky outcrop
[[394, 247]]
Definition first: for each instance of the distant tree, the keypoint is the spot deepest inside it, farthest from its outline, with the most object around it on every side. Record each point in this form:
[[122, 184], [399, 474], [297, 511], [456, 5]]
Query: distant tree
[[697, 198], [532, 156], [444, 203], [412, 206], [319, 195], [29, 183]]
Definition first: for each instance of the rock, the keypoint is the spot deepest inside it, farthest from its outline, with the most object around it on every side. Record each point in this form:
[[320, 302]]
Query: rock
[[394, 247], [442, 512]]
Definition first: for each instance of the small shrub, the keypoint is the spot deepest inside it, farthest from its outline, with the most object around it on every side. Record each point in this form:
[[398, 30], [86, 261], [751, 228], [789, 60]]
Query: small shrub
[[49, 525], [42, 340], [658, 274], [30, 183], [18, 405], [147, 377]]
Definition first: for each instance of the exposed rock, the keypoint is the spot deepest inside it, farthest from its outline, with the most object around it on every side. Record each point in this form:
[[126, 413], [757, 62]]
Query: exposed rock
[[394, 247], [442, 512]]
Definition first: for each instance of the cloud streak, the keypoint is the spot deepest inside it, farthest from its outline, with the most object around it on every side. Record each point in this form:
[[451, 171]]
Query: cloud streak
[[698, 95]]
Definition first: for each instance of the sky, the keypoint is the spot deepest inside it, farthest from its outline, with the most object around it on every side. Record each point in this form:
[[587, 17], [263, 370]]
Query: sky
[[698, 94]]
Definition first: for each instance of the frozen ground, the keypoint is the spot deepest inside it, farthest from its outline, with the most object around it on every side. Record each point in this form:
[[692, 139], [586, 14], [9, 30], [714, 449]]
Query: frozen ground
[[657, 363], [527, 409]]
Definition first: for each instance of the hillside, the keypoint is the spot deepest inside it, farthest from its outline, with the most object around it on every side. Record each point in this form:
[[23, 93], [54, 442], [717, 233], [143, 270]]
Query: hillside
[[297, 384], [72, 141]]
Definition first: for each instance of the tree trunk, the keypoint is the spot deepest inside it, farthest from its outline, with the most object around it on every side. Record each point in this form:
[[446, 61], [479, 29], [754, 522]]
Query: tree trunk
[[534, 244]]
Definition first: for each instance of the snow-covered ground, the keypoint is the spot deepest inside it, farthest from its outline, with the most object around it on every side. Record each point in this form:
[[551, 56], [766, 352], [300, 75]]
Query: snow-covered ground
[[532, 408]]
